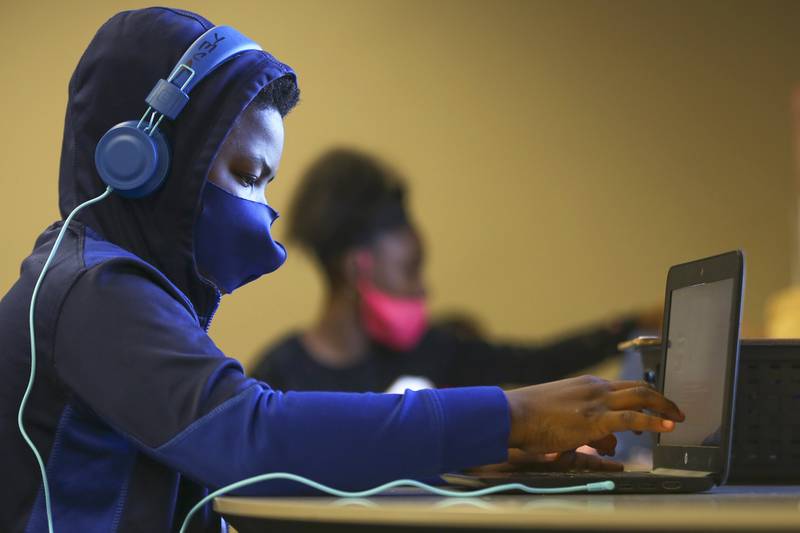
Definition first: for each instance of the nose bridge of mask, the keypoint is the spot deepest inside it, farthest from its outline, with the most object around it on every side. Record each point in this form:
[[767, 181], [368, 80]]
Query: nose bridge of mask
[[223, 205]]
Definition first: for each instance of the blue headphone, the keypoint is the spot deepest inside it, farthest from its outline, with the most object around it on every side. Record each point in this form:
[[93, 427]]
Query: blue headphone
[[133, 157]]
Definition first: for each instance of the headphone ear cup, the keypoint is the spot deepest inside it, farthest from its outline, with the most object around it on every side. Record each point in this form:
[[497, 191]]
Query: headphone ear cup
[[130, 161], [163, 160]]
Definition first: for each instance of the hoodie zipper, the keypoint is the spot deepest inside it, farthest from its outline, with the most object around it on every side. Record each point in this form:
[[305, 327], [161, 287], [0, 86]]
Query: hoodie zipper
[[213, 309]]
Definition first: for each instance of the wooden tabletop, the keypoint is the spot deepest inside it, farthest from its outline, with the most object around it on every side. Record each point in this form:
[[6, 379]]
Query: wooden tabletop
[[734, 508]]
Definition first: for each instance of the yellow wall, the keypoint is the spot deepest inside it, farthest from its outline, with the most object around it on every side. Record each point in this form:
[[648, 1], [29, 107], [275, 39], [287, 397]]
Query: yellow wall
[[561, 154]]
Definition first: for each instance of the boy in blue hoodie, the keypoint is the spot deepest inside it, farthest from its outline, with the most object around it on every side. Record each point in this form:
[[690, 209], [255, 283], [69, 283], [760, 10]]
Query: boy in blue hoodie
[[135, 411]]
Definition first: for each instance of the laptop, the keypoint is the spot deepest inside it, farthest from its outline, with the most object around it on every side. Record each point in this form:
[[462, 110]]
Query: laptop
[[701, 323]]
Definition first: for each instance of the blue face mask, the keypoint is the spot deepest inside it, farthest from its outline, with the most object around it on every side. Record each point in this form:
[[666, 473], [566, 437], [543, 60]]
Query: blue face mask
[[233, 244]]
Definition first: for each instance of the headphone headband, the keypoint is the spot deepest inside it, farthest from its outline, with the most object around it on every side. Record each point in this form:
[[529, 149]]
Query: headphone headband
[[209, 51]]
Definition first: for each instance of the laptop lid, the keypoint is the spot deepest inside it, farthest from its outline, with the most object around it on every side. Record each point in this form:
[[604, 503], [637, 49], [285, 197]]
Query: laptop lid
[[699, 360]]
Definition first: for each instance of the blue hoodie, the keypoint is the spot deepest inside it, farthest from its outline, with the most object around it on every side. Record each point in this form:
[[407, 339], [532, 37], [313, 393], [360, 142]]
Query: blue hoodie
[[135, 410]]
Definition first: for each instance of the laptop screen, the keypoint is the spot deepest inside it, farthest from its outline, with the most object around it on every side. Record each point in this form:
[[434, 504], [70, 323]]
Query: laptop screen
[[697, 353]]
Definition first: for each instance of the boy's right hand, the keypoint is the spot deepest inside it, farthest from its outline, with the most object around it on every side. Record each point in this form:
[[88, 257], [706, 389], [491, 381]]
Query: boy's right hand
[[563, 415]]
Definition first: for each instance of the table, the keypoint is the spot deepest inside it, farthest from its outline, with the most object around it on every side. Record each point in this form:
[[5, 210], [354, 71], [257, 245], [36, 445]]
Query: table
[[730, 508]]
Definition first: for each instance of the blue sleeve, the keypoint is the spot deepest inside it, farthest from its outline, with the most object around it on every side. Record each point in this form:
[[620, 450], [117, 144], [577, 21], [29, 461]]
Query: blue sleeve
[[137, 357]]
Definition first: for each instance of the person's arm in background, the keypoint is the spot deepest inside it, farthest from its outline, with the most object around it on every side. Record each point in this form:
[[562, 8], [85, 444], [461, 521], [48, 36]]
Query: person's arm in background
[[472, 361]]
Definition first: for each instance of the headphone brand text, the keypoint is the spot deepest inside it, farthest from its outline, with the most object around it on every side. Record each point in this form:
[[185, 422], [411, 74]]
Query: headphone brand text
[[206, 47]]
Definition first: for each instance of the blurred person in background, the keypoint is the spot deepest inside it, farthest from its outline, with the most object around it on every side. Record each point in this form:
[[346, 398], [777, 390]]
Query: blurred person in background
[[372, 332]]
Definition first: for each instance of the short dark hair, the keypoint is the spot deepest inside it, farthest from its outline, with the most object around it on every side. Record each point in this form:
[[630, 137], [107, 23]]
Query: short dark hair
[[281, 94], [345, 199]]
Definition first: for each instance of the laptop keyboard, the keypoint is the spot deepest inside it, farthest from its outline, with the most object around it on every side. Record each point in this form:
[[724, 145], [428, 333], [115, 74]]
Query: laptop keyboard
[[600, 476]]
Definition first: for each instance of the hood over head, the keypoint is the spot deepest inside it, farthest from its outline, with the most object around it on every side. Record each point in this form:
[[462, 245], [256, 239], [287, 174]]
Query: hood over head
[[127, 56]]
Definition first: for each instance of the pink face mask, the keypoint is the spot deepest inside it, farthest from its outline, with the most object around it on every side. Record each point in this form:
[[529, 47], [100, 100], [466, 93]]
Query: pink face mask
[[395, 322]]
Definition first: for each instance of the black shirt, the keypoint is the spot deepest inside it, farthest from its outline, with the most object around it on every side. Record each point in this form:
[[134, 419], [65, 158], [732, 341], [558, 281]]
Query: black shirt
[[441, 357]]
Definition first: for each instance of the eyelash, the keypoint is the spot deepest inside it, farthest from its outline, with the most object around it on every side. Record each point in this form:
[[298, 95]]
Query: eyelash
[[248, 180]]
